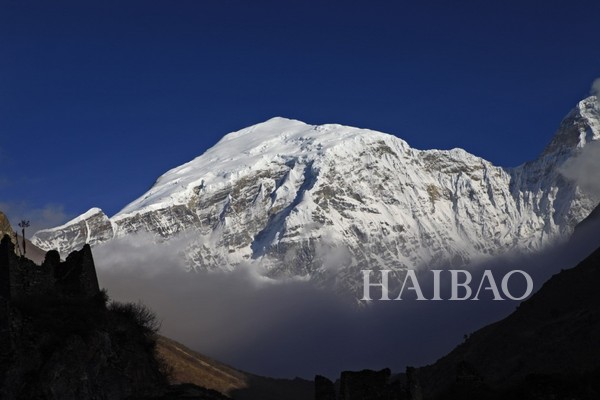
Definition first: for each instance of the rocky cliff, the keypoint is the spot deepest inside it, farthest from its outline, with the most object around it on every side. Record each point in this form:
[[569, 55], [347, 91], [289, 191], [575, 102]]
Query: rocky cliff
[[5, 227]]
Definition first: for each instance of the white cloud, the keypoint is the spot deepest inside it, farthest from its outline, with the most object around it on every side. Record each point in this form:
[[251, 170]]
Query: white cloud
[[584, 169], [595, 90], [596, 87], [293, 328], [49, 216]]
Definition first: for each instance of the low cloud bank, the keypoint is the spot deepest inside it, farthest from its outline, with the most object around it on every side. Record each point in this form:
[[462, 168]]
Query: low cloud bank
[[583, 169], [291, 328]]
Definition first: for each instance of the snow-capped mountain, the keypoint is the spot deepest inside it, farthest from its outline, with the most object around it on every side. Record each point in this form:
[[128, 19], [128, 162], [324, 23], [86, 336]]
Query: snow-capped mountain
[[326, 201]]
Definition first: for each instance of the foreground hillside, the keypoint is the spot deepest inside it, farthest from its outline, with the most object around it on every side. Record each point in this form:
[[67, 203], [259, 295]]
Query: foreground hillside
[[188, 366], [60, 339], [548, 348]]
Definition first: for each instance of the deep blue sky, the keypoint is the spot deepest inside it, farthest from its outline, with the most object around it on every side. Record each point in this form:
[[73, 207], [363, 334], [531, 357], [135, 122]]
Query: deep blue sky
[[98, 98]]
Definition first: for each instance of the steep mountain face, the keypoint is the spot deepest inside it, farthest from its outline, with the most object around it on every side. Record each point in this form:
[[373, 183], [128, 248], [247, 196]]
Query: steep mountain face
[[92, 227], [539, 187], [326, 201]]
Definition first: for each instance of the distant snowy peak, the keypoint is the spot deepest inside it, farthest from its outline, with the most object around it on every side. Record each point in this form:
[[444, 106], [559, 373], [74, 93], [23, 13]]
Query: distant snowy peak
[[91, 227], [92, 213], [579, 127]]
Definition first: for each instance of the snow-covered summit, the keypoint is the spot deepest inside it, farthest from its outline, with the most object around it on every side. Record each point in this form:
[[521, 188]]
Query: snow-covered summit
[[240, 153], [263, 130]]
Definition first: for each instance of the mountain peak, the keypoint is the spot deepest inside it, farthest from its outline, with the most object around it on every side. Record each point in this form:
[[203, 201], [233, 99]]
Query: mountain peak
[[579, 127], [269, 128], [591, 103], [280, 120], [85, 216], [277, 141]]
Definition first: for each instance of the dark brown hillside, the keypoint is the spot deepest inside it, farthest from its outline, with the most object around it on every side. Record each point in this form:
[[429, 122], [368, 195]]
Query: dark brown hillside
[[188, 366]]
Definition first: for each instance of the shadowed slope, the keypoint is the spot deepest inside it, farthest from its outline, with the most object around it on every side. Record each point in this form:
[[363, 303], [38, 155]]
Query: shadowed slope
[[188, 366], [554, 333]]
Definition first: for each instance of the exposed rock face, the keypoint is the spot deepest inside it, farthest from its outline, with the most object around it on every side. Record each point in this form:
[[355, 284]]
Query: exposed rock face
[[91, 228], [285, 194], [5, 228]]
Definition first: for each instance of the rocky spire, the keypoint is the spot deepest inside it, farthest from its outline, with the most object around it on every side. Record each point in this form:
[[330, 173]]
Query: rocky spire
[[579, 127]]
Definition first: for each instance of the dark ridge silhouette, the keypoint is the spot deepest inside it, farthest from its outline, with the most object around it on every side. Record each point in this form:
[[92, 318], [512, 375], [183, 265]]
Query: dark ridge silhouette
[[60, 339], [34, 253], [554, 337]]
